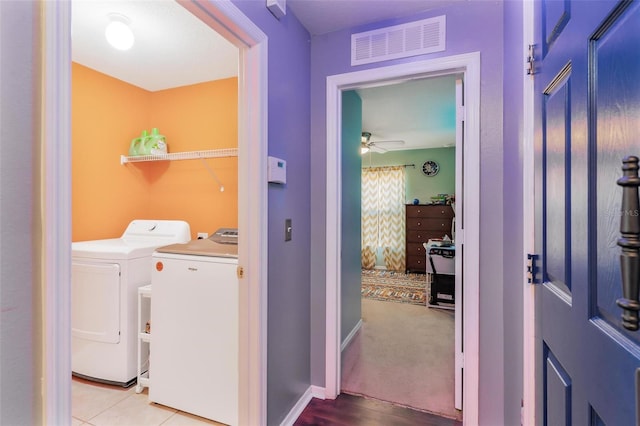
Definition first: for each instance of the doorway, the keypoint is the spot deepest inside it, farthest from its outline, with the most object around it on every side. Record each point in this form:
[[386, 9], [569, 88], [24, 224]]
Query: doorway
[[404, 351], [467, 232], [252, 200]]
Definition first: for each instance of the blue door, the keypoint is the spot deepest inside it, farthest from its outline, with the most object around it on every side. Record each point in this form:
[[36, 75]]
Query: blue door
[[587, 108]]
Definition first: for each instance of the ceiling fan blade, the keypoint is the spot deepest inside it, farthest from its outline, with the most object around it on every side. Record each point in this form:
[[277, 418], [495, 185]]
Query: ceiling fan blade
[[394, 142], [375, 148]]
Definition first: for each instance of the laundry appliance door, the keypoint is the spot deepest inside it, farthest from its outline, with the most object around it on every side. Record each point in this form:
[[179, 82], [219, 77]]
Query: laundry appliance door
[[194, 335], [95, 301]]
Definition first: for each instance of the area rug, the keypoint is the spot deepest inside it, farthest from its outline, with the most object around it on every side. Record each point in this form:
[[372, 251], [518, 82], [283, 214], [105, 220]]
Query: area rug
[[394, 286]]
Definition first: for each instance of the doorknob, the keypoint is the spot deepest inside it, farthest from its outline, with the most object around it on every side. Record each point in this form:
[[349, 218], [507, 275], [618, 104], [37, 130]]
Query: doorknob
[[629, 241]]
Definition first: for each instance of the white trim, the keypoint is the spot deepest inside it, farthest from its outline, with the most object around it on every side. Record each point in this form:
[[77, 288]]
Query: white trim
[[528, 226], [298, 408], [469, 65], [351, 335], [56, 219], [318, 392], [459, 241], [230, 22], [334, 239]]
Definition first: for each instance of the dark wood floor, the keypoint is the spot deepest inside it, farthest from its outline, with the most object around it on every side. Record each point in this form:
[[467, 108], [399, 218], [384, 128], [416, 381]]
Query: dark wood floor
[[350, 410]]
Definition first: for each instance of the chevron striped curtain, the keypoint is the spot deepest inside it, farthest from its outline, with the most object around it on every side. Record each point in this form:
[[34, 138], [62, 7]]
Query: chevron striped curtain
[[383, 216]]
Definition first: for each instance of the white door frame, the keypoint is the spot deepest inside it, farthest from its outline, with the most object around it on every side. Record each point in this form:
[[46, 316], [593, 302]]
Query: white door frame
[[231, 23], [528, 221], [469, 66]]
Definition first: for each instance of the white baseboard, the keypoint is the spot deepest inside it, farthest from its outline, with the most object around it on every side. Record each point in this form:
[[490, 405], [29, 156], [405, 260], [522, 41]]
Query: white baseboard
[[299, 407], [351, 335], [318, 392]]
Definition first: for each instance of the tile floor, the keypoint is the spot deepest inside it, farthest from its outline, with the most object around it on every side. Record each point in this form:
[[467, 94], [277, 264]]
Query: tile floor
[[103, 405]]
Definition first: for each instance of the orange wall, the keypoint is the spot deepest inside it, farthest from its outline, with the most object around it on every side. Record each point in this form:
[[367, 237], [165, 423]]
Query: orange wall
[[107, 113]]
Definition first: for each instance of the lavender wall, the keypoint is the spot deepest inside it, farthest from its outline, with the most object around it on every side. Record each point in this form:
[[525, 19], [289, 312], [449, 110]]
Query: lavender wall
[[513, 214], [288, 263], [20, 384], [471, 26]]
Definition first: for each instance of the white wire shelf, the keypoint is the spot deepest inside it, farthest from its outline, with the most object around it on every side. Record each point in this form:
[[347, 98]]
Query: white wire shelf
[[188, 155]]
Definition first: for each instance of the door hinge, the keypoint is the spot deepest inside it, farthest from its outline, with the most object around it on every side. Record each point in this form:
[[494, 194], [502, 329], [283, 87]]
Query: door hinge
[[240, 272], [532, 268], [462, 113], [531, 60]]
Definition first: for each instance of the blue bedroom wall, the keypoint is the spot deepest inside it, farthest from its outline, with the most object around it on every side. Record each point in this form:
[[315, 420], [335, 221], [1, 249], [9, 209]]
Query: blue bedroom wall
[[351, 208], [471, 26], [288, 278], [417, 184]]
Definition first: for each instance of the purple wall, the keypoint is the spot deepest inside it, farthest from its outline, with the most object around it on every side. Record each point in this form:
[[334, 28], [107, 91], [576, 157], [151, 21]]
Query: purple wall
[[288, 263], [471, 26], [297, 82], [20, 226], [513, 214]]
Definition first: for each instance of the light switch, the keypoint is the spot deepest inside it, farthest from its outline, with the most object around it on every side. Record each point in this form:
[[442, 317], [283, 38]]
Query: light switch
[[287, 229]]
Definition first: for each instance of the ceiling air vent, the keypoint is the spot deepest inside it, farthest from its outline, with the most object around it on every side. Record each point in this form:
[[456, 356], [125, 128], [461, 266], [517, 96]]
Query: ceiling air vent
[[399, 41]]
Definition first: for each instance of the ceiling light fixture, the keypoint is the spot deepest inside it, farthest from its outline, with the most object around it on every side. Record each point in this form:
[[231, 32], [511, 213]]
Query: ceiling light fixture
[[364, 142], [365, 137], [118, 32]]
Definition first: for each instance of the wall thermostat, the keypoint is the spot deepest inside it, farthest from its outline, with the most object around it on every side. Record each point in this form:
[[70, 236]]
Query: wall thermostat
[[276, 170]]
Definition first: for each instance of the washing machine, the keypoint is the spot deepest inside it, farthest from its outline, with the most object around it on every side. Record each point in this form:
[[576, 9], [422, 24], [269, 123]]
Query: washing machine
[[194, 327], [105, 276]]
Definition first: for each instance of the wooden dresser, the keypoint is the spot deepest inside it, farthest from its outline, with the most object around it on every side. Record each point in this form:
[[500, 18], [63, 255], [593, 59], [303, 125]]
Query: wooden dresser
[[424, 222]]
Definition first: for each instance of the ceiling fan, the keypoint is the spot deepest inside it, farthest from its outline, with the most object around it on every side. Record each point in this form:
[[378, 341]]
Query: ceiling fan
[[367, 145]]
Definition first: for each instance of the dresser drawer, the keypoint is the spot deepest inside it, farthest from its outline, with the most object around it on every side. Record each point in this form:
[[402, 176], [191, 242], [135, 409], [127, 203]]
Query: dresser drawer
[[415, 249], [416, 264], [424, 236], [429, 224], [429, 211]]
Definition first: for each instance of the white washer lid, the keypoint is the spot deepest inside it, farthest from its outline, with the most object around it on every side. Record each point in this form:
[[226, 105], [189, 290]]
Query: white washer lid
[[149, 230], [115, 249], [140, 239]]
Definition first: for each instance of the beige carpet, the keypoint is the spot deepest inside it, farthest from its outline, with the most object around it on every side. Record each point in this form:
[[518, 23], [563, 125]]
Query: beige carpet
[[403, 354]]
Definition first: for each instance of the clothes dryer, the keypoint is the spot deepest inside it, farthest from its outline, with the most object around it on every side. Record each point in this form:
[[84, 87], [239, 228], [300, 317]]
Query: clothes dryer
[[105, 276]]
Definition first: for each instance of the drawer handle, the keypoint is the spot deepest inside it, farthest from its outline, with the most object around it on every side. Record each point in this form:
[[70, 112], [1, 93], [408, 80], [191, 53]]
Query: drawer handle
[[419, 223]]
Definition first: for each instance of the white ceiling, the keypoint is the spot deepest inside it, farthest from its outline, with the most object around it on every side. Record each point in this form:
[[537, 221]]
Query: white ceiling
[[173, 48], [419, 112]]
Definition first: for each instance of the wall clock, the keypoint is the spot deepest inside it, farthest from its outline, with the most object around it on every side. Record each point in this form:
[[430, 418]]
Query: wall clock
[[430, 168]]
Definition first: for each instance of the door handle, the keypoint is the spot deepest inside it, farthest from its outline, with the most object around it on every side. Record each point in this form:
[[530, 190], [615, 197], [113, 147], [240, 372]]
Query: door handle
[[629, 241]]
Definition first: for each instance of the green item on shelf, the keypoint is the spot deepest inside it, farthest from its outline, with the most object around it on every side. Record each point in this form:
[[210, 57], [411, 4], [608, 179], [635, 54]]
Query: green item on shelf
[[155, 143], [137, 144]]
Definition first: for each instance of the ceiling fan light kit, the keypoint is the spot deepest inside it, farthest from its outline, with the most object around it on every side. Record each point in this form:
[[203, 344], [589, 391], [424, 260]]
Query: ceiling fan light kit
[[366, 144]]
